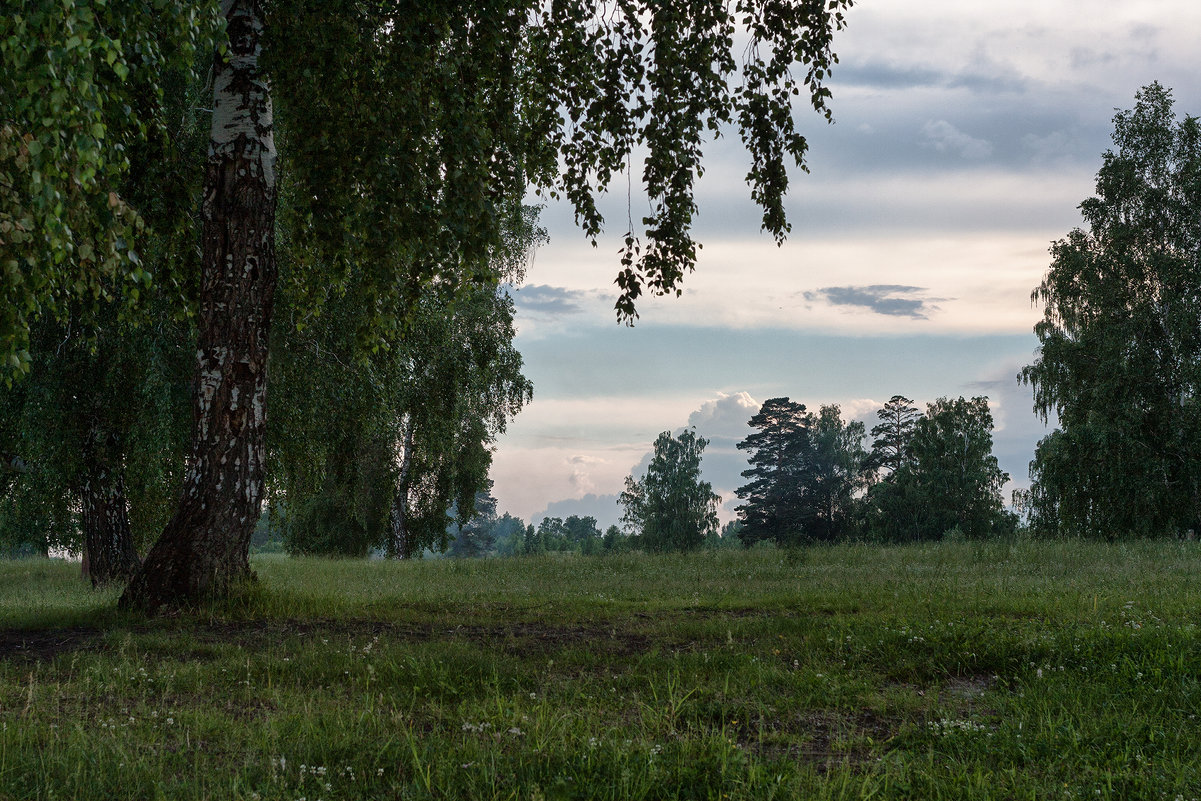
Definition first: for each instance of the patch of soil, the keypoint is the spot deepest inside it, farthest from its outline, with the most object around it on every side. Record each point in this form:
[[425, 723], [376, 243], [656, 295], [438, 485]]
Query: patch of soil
[[969, 688], [520, 639], [825, 738], [43, 645]]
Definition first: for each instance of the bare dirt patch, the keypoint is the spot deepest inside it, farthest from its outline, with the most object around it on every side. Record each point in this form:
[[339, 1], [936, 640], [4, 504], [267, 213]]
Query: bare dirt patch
[[43, 645], [519, 639]]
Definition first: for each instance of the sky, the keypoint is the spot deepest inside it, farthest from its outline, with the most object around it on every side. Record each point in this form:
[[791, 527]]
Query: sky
[[965, 137]]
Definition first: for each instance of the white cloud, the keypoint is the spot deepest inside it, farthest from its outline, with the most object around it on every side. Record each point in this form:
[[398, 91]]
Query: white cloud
[[724, 416], [580, 468]]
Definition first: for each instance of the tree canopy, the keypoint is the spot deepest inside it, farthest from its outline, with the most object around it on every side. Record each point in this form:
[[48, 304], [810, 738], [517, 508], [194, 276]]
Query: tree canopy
[[1119, 360], [780, 454], [83, 87], [407, 136], [670, 508]]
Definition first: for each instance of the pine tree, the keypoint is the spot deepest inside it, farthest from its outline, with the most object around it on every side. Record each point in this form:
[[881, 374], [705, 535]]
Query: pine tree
[[891, 438], [774, 505]]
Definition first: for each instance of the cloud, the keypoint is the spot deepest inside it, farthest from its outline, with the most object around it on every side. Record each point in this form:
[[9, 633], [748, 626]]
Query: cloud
[[898, 76], [550, 301], [879, 298], [580, 471], [1057, 147], [945, 137], [724, 416], [603, 507]]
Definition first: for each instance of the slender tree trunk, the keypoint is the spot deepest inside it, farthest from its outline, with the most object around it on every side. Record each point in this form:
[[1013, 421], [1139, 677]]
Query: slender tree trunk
[[400, 546], [109, 555], [205, 547]]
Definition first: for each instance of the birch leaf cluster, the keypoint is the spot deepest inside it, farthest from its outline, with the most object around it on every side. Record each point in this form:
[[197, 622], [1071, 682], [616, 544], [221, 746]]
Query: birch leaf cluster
[[1119, 359]]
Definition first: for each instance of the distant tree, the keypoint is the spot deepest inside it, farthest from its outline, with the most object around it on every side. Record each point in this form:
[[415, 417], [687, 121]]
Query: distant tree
[[509, 534], [531, 544], [837, 473], [670, 507], [726, 538], [952, 450], [614, 540], [774, 506], [1119, 360], [952, 483], [891, 437], [552, 535], [474, 536], [583, 534]]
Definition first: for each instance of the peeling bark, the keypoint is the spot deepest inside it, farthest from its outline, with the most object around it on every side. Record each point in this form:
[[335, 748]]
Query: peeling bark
[[109, 555], [400, 545], [205, 547]]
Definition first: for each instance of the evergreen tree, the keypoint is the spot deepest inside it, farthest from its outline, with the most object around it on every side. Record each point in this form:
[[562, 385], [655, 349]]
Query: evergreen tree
[[670, 507], [891, 437], [531, 543], [952, 482], [474, 537], [837, 474], [774, 503]]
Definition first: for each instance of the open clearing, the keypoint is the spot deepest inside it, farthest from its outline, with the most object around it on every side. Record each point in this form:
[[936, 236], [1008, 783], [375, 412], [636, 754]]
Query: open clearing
[[957, 670]]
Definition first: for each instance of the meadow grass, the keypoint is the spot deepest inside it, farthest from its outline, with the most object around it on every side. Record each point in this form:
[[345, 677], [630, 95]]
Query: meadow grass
[[954, 670]]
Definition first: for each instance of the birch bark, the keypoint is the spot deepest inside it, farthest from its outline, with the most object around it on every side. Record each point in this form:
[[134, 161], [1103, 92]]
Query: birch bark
[[109, 555], [205, 546], [401, 546]]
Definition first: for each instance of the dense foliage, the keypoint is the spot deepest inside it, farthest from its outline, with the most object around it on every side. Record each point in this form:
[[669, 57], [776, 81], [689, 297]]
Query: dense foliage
[[670, 508], [950, 481], [1119, 363], [371, 451], [408, 135], [83, 87], [812, 480]]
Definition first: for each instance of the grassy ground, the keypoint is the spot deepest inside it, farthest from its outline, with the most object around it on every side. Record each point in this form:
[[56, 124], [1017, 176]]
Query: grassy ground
[[1000, 670]]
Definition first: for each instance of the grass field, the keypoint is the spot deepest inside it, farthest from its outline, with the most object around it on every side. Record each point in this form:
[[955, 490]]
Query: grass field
[[1061, 670]]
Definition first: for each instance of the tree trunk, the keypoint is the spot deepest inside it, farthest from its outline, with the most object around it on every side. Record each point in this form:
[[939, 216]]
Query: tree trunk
[[400, 545], [205, 547], [109, 554]]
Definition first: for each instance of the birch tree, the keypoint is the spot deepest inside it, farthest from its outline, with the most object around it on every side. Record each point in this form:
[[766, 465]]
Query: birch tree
[[409, 130], [1119, 360]]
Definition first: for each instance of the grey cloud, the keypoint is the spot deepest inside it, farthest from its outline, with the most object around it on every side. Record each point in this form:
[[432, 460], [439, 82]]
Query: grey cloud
[[893, 76], [552, 301], [893, 300], [946, 137]]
